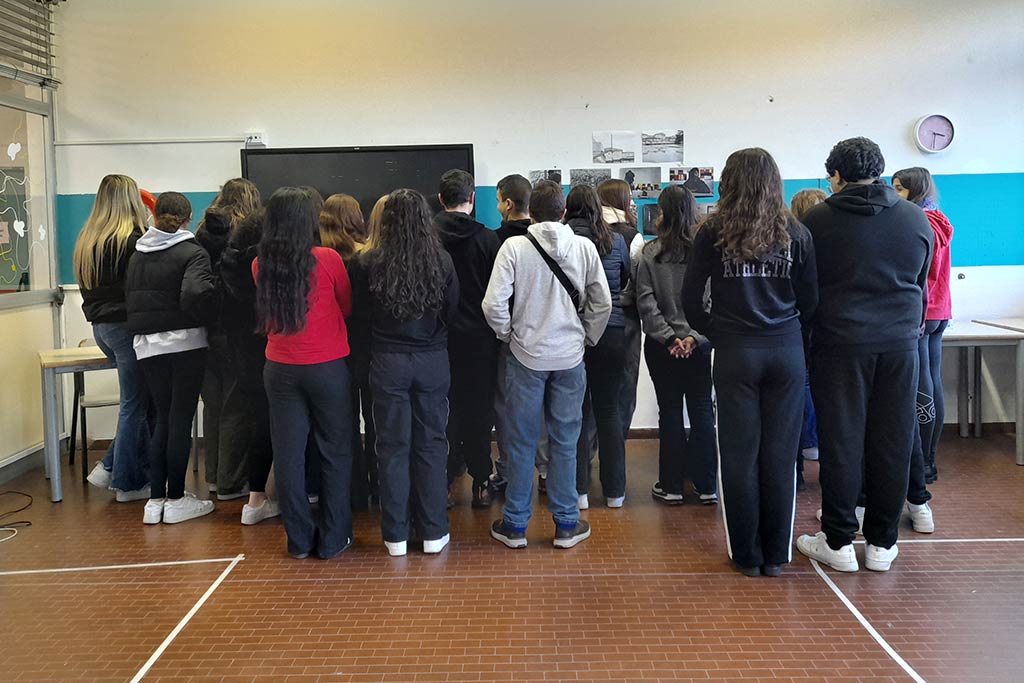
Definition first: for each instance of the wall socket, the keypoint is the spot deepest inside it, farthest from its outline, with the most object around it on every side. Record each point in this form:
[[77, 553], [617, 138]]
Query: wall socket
[[255, 139]]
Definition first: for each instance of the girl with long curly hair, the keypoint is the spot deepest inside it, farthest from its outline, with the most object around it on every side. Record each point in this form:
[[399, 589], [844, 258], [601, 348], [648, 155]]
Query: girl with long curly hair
[[760, 262], [408, 288], [303, 296]]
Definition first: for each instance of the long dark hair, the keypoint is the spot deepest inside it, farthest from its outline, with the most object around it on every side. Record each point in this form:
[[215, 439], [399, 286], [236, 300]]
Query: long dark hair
[[406, 269], [286, 261], [616, 194], [674, 226], [583, 203], [752, 216], [918, 182]]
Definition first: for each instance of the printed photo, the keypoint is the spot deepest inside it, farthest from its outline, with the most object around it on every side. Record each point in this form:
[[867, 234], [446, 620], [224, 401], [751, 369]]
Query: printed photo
[[641, 175], [663, 147], [554, 174], [700, 180], [589, 176], [615, 146]]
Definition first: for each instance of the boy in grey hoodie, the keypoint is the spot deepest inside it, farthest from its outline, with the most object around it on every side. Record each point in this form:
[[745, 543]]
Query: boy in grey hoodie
[[547, 334]]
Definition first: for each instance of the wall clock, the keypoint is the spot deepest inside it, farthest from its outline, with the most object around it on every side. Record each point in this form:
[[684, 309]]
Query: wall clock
[[933, 133]]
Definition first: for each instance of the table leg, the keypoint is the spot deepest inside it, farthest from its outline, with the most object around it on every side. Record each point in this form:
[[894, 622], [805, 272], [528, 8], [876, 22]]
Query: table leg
[[1019, 401], [963, 400], [51, 434], [977, 393]]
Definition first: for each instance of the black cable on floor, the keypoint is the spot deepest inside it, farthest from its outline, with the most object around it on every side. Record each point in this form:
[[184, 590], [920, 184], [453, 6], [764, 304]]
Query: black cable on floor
[[12, 526]]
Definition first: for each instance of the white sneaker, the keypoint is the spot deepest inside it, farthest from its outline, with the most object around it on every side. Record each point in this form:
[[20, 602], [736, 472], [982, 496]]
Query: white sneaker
[[584, 502], [879, 559], [100, 477], [129, 496], [921, 518], [185, 508], [616, 502], [810, 453], [154, 511], [396, 549], [858, 511], [816, 548], [254, 515], [437, 545]]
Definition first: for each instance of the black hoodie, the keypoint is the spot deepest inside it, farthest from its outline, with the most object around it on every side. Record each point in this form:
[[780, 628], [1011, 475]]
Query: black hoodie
[[513, 229], [874, 251], [212, 235], [473, 248]]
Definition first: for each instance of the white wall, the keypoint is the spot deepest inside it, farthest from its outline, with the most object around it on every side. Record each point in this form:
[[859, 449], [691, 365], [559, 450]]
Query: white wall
[[527, 82]]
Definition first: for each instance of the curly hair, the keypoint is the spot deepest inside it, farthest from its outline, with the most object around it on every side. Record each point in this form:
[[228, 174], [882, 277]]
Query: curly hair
[[583, 203], [406, 268], [752, 216], [286, 262], [855, 159], [805, 200], [341, 225], [238, 198], [674, 227]]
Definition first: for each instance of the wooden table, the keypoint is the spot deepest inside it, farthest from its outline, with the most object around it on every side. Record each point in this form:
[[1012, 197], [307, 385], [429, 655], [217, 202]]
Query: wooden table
[[973, 336], [53, 363]]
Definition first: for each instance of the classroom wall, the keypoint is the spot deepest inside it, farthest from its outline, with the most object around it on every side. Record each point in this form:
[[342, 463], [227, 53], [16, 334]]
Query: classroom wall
[[527, 82]]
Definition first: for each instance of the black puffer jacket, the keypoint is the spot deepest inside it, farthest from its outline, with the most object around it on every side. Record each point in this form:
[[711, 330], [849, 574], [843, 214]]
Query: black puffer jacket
[[104, 303], [169, 285], [212, 235]]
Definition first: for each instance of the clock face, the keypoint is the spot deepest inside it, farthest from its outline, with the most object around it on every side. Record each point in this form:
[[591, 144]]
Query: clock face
[[933, 133]]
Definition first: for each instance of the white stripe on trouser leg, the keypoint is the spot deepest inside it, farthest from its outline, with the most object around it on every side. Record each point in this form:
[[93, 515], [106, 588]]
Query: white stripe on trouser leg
[[792, 516], [718, 456]]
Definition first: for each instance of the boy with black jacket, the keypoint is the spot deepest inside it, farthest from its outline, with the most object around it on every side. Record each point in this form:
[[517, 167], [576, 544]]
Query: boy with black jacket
[[472, 348], [874, 252]]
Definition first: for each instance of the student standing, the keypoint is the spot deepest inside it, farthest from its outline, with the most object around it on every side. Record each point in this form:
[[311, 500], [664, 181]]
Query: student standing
[[170, 299], [513, 194], [302, 298], [225, 414], [620, 213], [102, 251], [342, 229], [562, 304], [874, 253], [604, 360], [472, 348], [916, 185], [761, 264], [678, 357], [248, 348], [408, 288]]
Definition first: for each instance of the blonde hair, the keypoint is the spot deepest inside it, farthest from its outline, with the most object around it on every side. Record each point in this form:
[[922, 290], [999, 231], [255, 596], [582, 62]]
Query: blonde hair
[[117, 212], [238, 199], [805, 200], [373, 225]]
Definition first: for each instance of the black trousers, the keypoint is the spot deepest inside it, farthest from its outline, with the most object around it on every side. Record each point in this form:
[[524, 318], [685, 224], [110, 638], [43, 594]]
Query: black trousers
[[760, 413], [605, 374], [930, 410], [410, 409], [866, 423], [312, 401], [364, 463], [250, 408], [174, 381], [676, 380], [225, 419], [474, 371]]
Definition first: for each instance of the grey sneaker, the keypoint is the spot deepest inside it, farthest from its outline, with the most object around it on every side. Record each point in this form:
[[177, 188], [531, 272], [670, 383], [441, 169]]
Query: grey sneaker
[[507, 535], [567, 538]]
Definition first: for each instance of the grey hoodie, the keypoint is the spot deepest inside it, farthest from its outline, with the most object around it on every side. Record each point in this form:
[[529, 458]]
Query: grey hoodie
[[542, 328]]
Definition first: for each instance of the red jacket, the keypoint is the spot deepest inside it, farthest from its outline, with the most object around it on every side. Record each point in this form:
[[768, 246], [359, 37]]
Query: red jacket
[[940, 306], [325, 337]]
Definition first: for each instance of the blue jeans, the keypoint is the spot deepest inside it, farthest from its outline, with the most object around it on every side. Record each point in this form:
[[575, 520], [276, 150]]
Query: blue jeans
[[128, 455], [558, 397]]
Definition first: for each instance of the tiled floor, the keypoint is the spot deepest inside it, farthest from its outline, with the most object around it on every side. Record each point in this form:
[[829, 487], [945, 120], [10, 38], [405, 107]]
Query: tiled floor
[[650, 597]]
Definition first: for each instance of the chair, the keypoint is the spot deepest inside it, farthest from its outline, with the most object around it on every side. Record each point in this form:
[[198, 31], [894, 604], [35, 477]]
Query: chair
[[83, 402]]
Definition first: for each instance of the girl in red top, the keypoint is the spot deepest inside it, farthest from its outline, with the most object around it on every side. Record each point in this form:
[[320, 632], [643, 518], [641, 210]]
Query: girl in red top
[[302, 298], [916, 185]]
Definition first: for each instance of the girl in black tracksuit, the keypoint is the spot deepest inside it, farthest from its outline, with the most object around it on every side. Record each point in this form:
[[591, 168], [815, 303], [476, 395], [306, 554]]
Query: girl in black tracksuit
[[604, 361], [760, 261]]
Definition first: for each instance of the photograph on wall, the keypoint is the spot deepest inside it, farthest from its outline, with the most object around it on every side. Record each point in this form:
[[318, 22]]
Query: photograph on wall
[[615, 146], [663, 147], [589, 176], [554, 174], [644, 181], [700, 180]]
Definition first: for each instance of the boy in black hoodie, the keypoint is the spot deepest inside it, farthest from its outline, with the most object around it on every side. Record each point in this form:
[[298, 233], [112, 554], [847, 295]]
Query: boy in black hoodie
[[472, 346], [874, 252]]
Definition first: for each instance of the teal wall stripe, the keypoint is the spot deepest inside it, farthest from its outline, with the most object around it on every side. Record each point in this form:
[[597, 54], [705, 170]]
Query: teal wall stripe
[[984, 209]]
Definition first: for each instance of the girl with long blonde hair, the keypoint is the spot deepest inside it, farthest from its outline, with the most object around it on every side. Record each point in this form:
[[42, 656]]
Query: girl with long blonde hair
[[106, 242]]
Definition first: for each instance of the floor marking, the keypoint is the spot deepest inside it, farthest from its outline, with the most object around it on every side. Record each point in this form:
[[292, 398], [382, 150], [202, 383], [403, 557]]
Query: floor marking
[[954, 540], [172, 563], [185, 619], [867, 625]]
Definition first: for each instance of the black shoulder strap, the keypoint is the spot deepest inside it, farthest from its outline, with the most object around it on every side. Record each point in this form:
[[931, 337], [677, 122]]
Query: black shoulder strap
[[574, 294]]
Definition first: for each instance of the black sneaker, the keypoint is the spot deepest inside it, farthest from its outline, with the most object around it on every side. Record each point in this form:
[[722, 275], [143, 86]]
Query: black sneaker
[[931, 473], [330, 555], [772, 570], [707, 498], [664, 496], [507, 535], [567, 538], [542, 484], [497, 483]]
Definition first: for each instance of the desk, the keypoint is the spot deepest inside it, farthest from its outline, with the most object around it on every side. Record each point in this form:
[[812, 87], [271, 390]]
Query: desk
[[975, 335], [53, 363]]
